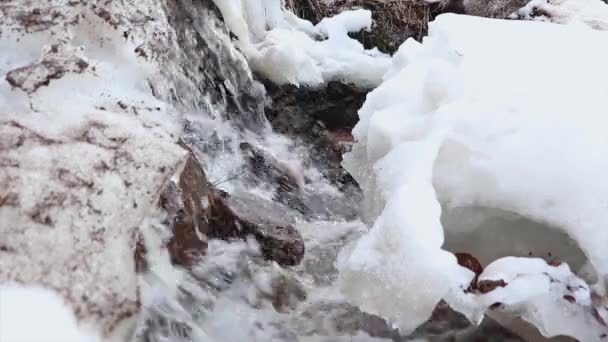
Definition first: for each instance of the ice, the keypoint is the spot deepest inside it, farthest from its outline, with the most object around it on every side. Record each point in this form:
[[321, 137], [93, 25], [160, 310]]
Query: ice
[[593, 13], [287, 49], [506, 115], [348, 21], [35, 314]]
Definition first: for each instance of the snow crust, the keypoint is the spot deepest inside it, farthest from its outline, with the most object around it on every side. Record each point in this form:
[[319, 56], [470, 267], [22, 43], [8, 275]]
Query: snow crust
[[483, 113], [36, 314], [85, 149], [593, 13], [286, 49]]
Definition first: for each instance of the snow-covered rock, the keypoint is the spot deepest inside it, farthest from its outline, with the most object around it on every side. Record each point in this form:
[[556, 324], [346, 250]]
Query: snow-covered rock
[[593, 13], [289, 50], [38, 314], [85, 149], [505, 115], [490, 8]]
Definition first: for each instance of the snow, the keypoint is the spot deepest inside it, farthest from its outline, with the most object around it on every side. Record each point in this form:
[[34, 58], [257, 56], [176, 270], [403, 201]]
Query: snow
[[593, 13], [35, 314], [85, 150], [491, 114], [342, 23], [286, 49]]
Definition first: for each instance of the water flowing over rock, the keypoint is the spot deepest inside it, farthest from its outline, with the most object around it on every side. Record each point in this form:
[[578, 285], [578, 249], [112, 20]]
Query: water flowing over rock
[[161, 193], [201, 212]]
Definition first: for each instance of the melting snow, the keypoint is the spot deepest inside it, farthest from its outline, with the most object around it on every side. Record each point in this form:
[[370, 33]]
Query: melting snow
[[593, 13], [37, 314], [287, 49], [498, 114]]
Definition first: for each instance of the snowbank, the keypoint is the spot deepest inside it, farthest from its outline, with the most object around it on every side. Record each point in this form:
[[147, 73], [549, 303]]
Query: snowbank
[[593, 13], [35, 314], [287, 49], [85, 149], [493, 114]]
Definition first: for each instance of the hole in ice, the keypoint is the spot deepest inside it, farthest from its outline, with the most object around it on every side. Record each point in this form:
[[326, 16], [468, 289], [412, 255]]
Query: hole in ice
[[489, 234]]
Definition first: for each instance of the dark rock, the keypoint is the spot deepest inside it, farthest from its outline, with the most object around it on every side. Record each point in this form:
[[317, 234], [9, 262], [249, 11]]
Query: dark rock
[[321, 119], [202, 212], [270, 223], [442, 320], [445, 324], [492, 8], [265, 166], [218, 83], [295, 110], [141, 264], [290, 181], [285, 291], [328, 318]]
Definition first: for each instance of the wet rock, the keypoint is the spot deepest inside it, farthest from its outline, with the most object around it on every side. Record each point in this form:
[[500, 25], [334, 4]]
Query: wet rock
[[446, 324], [468, 261], [341, 140], [185, 245], [336, 318], [486, 286], [202, 212], [492, 8], [286, 293], [321, 119], [296, 110], [289, 176], [219, 83], [270, 223], [281, 288], [183, 204]]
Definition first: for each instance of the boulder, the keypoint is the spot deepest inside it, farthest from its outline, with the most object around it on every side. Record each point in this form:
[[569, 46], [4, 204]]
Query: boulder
[[71, 202], [200, 211]]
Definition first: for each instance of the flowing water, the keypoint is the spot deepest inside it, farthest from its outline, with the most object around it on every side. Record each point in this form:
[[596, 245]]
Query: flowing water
[[233, 294]]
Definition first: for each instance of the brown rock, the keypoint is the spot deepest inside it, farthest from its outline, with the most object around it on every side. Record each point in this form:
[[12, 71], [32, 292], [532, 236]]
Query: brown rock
[[486, 286], [202, 212], [183, 203], [270, 223], [185, 245], [468, 261]]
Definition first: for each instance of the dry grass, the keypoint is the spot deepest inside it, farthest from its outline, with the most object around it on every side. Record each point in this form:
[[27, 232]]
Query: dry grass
[[313, 10], [394, 20]]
